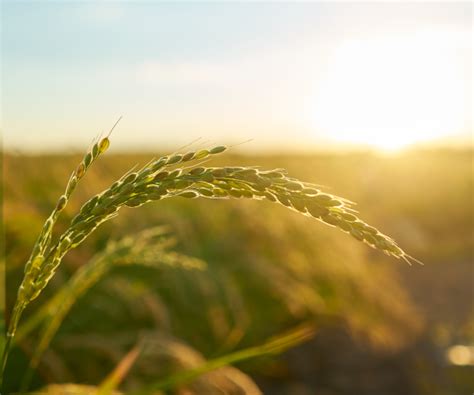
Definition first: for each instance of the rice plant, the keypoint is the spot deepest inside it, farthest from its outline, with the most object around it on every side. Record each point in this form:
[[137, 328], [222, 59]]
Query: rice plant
[[150, 247], [181, 174]]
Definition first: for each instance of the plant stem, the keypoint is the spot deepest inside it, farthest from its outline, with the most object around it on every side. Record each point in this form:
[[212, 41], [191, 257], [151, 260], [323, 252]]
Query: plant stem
[[15, 318]]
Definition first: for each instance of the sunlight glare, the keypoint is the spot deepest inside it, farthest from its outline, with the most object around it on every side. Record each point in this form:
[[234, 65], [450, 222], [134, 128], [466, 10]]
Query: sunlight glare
[[389, 92]]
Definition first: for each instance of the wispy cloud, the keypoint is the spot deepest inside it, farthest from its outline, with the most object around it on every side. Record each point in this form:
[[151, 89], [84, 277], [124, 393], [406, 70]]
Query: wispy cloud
[[180, 73]]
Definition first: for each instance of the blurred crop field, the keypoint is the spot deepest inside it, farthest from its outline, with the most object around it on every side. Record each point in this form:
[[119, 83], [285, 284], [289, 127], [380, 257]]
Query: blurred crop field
[[381, 327]]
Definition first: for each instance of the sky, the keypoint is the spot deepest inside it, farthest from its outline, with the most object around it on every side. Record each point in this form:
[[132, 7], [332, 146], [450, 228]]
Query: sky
[[314, 75]]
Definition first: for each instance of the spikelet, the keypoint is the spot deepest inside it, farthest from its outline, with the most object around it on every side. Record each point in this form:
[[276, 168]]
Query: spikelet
[[229, 182]]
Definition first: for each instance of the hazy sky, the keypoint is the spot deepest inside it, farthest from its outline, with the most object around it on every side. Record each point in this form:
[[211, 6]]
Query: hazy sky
[[285, 74]]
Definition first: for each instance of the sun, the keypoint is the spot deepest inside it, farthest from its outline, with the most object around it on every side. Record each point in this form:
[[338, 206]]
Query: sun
[[390, 92]]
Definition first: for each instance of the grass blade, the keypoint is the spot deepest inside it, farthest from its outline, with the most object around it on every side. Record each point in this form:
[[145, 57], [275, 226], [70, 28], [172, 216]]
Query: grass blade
[[275, 345]]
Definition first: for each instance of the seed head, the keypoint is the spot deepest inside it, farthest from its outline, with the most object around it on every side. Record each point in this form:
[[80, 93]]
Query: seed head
[[348, 217], [81, 169], [247, 172], [329, 219], [61, 203], [126, 188], [174, 159], [71, 185], [189, 194], [219, 172], [294, 186], [158, 164], [272, 174], [218, 150], [188, 156], [103, 145], [202, 154], [298, 204], [370, 239], [161, 176], [345, 226], [357, 234], [130, 178], [88, 159], [235, 193], [135, 202], [283, 200], [175, 173], [310, 191], [270, 196], [208, 177], [205, 192], [315, 210], [218, 192], [333, 203], [65, 244], [370, 229], [197, 170], [95, 150], [181, 184]]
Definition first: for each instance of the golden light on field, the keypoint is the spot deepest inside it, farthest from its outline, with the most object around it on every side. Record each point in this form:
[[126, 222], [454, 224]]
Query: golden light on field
[[390, 92]]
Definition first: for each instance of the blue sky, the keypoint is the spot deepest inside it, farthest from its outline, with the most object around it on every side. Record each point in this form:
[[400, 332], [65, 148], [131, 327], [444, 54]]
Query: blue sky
[[288, 75]]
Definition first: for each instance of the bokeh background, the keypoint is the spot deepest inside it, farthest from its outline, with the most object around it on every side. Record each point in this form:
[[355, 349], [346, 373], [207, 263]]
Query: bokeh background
[[371, 100]]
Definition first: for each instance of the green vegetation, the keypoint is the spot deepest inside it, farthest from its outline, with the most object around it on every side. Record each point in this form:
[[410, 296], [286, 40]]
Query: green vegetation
[[268, 269]]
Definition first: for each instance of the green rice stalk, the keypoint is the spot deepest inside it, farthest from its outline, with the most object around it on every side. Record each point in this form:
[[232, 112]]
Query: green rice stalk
[[164, 178], [34, 264], [147, 248]]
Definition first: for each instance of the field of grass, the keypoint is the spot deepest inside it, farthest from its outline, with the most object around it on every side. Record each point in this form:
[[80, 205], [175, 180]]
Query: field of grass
[[378, 325]]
